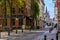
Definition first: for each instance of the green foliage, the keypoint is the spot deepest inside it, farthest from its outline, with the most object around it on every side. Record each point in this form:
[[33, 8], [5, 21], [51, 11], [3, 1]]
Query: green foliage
[[36, 9], [6, 4], [22, 3], [1, 1]]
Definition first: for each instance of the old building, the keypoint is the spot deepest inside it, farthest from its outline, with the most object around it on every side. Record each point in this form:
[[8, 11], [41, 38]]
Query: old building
[[59, 15], [42, 6], [11, 15], [46, 16]]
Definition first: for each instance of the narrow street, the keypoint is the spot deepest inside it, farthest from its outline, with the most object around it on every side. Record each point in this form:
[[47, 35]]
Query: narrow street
[[25, 36], [33, 35]]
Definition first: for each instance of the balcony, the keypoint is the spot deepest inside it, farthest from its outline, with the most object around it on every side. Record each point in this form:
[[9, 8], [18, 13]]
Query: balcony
[[14, 16], [18, 16]]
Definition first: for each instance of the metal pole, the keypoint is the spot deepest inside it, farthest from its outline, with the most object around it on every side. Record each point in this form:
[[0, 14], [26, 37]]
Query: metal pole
[[16, 30], [57, 36], [8, 31], [45, 37], [22, 29]]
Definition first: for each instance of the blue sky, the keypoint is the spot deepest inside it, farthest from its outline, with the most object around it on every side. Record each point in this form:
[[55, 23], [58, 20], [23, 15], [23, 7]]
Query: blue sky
[[50, 7]]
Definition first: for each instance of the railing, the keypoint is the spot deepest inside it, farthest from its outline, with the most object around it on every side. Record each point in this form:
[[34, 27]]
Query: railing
[[14, 16], [18, 16]]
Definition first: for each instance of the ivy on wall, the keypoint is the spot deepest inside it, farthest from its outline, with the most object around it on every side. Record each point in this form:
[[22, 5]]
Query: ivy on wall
[[36, 9]]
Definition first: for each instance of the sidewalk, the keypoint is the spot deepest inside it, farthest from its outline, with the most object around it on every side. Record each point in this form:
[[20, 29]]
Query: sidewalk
[[5, 34]]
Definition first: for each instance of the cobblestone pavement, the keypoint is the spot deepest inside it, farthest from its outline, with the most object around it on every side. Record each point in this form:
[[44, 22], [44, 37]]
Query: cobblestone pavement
[[30, 36], [26, 36]]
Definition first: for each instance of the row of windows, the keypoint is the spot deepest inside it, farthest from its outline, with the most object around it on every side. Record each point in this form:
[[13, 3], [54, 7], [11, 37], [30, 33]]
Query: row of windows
[[13, 22], [28, 22], [13, 10], [14, 16]]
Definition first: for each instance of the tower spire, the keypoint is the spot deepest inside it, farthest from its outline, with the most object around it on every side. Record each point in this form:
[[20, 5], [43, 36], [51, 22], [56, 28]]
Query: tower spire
[[46, 9]]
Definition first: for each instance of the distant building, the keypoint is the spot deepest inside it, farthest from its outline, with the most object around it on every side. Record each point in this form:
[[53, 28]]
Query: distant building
[[46, 16], [42, 6], [59, 15], [56, 11], [59, 11]]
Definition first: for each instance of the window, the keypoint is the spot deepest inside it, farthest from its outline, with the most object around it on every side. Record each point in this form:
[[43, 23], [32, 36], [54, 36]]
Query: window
[[5, 22], [13, 10], [20, 22], [19, 10], [22, 11], [13, 22]]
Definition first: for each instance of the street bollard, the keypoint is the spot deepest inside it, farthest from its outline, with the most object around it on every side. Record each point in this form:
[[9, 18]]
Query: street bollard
[[22, 29], [16, 31], [45, 37], [57, 36], [8, 31]]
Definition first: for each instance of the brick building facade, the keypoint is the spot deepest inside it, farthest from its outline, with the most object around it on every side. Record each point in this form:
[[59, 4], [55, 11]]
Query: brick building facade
[[12, 16]]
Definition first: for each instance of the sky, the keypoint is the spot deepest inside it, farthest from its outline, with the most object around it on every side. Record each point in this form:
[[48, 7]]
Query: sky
[[50, 7]]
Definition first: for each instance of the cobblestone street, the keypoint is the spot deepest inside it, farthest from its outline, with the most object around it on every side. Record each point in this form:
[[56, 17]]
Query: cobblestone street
[[33, 35]]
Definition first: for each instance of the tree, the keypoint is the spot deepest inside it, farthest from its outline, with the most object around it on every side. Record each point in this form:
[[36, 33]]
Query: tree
[[22, 3], [1, 2], [36, 12], [7, 11], [36, 9]]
